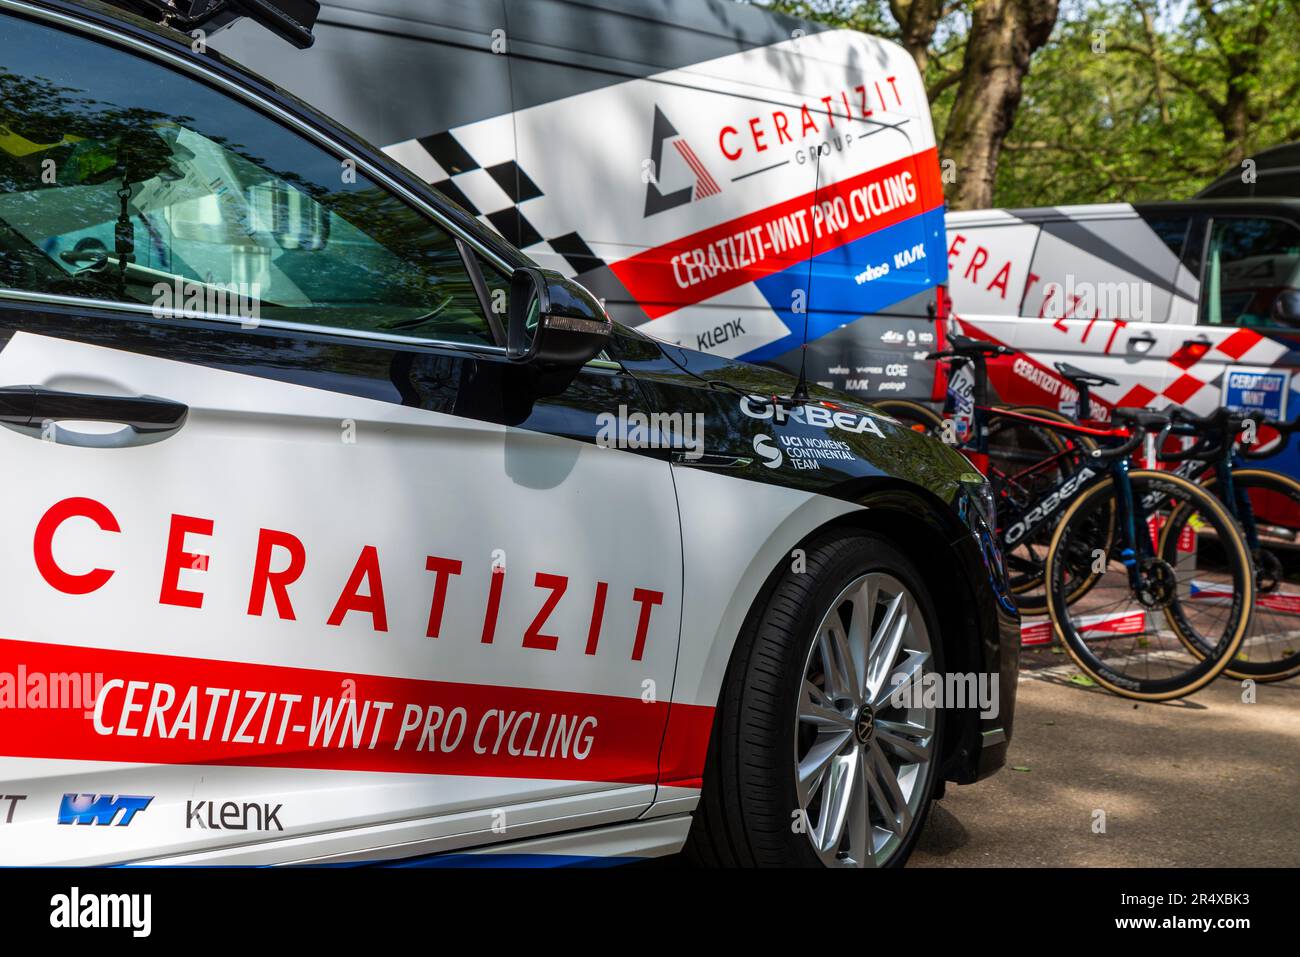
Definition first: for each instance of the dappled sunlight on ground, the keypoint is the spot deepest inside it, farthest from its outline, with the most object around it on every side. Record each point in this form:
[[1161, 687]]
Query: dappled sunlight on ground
[[1208, 780]]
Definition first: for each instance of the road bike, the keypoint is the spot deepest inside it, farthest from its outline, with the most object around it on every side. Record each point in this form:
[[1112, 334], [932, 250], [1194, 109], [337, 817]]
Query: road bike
[[1264, 503], [1018, 453], [1122, 597], [1073, 513]]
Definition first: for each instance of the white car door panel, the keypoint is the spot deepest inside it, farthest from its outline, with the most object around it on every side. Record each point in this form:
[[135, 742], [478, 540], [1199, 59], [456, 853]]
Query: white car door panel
[[414, 614]]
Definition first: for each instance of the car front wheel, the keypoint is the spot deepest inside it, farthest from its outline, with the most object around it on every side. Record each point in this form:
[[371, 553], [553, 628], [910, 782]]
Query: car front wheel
[[816, 758]]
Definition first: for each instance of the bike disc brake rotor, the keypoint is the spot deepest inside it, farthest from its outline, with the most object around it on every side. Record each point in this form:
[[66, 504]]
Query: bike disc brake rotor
[[1159, 583]]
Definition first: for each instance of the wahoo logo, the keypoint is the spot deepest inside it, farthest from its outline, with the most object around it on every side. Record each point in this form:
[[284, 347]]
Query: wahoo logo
[[100, 808], [705, 185]]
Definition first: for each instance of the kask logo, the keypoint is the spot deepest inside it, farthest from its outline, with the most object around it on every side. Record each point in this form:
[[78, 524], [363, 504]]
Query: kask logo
[[705, 185], [101, 808]]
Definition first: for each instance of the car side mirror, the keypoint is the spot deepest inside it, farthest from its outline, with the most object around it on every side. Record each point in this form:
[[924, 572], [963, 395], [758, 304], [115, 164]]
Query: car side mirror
[[1286, 308], [553, 322]]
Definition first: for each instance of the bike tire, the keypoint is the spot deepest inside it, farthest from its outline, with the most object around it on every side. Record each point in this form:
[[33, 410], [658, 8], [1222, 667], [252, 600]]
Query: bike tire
[[1027, 559], [912, 414], [1083, 441], [1271, 651], [1122, 641]]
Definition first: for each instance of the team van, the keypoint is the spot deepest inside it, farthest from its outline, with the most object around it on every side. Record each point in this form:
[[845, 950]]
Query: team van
[[1193, 303], [338, 530], [1270, 173], [721, 177]]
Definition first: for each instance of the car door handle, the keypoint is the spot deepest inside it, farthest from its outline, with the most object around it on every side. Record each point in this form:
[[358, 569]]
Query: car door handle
[[31, 406], [1145, 338]]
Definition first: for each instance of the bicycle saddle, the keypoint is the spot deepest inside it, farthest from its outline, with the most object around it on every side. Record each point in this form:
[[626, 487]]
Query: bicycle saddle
[[1079, 376], [966, 346]]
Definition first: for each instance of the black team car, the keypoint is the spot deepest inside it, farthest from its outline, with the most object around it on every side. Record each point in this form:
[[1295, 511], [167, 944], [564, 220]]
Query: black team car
[[374, 541]]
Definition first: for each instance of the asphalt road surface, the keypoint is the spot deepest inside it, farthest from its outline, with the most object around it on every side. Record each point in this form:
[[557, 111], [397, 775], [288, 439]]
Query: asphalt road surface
[[1205, 781]]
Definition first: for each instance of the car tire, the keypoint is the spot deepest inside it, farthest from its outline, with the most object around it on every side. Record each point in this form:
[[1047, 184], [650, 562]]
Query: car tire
[[770, 724]]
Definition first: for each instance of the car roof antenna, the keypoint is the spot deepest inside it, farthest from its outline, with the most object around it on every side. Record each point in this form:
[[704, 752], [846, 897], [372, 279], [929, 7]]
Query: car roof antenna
[[800, 394]]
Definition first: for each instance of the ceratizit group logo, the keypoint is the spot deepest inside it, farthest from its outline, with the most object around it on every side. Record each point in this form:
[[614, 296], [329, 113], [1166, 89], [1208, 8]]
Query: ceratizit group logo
[[657, 201]]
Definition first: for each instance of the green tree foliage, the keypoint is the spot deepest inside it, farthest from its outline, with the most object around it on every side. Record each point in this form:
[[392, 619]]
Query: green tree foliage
[[1129, 99], [1147, 100]]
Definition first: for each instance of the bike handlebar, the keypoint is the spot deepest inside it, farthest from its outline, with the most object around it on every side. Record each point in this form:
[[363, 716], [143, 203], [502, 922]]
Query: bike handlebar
[[1140, 422], [1143, 420], [1283, 429], [1130, 445], [1213, 434], [1216, 433]]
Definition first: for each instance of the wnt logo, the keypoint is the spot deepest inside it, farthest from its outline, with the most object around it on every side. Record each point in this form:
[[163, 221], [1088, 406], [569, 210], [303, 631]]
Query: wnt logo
[[705, 185], [100, 808]]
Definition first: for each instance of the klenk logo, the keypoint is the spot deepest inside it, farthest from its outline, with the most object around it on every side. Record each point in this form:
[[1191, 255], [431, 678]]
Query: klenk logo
[[101, 809], [233, 816], [657, 201]]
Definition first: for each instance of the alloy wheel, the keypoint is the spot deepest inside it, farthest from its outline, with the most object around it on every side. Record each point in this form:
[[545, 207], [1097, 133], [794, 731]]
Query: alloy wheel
[[862, 759]]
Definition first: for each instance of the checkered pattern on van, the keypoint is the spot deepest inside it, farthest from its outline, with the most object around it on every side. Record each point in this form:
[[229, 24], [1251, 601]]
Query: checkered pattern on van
[[1197, 382], [474, 166]]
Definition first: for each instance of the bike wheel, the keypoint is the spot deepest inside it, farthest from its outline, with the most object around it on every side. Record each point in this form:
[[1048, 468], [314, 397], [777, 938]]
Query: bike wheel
[[914, 415], [1015, 445], [1111, 632], [1017, 451], [1043, 412], [1271, 651]]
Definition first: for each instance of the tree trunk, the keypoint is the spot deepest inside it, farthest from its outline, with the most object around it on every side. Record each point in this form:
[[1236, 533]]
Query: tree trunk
[[1157, 61], [1239, 45], [1003, 36], [917, 21], [1235, 121]]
